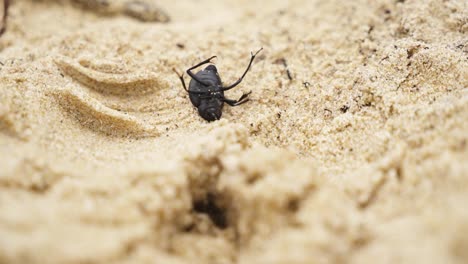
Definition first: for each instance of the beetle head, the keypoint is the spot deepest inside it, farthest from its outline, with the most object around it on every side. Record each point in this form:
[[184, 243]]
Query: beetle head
[[210, 114]]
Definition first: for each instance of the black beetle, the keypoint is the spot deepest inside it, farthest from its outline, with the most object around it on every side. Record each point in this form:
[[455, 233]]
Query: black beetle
[[206, 90]]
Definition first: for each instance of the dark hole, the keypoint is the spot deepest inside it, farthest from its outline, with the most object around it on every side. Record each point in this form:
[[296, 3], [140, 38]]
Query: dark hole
[[254, 177], [293, 205], [411, 52], [344, 108], [189, 227], [208, 206]]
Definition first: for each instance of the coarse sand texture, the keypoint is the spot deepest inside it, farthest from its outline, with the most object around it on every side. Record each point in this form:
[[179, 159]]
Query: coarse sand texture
[[352, 148]]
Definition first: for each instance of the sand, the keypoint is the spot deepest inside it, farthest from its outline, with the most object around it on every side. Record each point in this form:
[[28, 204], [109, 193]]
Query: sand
[[352, 149]]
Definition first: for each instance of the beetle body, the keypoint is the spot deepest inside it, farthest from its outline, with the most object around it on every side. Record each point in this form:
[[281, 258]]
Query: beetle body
[[206, 91], [210, 105]]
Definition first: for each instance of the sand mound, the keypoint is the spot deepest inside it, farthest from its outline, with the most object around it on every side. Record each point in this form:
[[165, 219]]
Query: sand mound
[[352, 149]]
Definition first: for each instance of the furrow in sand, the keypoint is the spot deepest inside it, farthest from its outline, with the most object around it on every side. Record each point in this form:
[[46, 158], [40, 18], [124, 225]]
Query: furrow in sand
[[100, 118], [140, 83]]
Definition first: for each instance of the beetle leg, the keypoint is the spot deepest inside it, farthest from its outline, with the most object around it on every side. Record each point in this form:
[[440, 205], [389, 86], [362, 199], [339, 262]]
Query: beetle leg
[[243, 99], [190, 73], [244, 95], [181, 77], [245, 72]]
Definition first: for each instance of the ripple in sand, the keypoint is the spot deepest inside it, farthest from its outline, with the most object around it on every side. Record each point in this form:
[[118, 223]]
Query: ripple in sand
[[96, 116], [110, 79]]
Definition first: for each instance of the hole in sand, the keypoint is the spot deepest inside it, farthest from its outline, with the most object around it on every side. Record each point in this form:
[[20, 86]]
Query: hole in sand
[[208, 206]]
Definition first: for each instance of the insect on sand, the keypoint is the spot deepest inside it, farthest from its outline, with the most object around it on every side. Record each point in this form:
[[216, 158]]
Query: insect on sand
[[206, 90]]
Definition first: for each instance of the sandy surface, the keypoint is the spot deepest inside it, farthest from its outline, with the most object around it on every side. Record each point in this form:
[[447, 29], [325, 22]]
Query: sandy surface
[[361, 157]]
